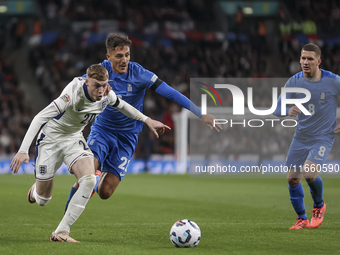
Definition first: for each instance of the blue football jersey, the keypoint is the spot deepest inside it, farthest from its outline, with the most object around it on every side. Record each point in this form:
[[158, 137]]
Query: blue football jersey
[[322, 105], [131, 87]]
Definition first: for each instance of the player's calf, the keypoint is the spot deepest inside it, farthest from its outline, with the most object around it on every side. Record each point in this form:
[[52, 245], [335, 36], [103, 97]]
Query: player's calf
[[33, 197], [86, 185], [76, 187], [30, 197], [77, 203], [109, 183]]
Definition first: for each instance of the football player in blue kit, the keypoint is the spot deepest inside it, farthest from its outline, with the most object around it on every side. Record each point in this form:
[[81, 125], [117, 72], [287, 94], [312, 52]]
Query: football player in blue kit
[[113, 137], [314, 134]]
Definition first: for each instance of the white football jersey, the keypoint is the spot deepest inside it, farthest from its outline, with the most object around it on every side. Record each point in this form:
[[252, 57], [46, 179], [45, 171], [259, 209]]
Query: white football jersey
[[76, 110], [67, 116]]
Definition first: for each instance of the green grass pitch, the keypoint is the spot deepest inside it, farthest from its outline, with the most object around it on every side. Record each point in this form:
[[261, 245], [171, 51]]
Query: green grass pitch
[[236, 216]]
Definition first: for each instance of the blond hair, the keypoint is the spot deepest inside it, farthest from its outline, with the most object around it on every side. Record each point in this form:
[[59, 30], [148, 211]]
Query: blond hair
[[97, 72]]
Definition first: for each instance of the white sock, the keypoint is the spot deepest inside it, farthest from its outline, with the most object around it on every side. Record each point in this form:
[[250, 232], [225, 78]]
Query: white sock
[[78, 202], [42, 201]]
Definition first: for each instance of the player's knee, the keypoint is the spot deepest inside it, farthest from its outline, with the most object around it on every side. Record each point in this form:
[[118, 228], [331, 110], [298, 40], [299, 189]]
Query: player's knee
[[105, 193], [88, 181], [310, 179], [293, 181]]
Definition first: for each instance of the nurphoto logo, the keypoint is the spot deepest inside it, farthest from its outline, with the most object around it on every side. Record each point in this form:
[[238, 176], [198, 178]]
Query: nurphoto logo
[[239, 104]]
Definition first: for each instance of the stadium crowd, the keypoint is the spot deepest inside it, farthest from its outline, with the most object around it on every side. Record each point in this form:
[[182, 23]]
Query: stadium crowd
[[174, 60], [54, 65], [15, 114], [310, 21]]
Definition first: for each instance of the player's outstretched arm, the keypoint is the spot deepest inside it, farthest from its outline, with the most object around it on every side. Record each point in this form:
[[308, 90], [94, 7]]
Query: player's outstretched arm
[[42, 117], [211, 122], [294, 111], [128, 110], [172, 94], [157, 127], [18, 159]]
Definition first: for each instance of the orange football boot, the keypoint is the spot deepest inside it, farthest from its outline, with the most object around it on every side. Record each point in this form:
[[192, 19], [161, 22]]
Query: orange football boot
[[300, 223], [318, 215]]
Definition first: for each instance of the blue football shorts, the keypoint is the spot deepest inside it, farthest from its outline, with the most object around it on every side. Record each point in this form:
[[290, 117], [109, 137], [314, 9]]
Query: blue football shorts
[[315, 150], [113, 150]]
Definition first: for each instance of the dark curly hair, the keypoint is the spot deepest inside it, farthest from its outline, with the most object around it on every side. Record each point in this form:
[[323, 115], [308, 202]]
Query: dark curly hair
[[116, 40]]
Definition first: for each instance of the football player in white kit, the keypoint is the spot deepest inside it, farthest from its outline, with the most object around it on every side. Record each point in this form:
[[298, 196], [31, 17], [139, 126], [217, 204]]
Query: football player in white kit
[[61, 140]]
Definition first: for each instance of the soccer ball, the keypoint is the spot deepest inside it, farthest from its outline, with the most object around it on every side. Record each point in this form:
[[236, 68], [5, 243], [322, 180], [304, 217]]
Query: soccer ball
[[185, 234]]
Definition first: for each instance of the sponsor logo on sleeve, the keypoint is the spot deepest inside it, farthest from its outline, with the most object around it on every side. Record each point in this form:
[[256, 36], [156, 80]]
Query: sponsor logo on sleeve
[[66, 98], [154, 78]]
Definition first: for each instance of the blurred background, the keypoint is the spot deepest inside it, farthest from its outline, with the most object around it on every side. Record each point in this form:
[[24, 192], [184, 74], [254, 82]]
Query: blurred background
[[45, 43]]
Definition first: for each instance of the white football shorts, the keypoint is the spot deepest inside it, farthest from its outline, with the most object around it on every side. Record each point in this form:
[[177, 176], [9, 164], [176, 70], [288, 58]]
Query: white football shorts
[[50, 154]]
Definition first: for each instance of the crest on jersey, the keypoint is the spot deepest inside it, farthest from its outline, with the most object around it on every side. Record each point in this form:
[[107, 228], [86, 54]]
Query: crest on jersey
[[129, 87], [42, 169], [104, 104], [66, 98], [322, 97]]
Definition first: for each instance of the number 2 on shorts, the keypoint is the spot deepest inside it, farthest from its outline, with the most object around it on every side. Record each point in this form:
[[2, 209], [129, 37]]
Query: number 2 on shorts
[[125, 164]]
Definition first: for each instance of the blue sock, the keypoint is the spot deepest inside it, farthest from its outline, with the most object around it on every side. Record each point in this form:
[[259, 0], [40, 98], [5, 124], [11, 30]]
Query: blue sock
[[296, 197], [72, 191], [316, 190], [97, 181]]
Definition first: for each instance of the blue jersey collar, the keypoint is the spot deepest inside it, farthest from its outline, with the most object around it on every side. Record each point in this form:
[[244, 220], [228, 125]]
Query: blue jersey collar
[[322, 73], [121, 76], [87, 93]]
